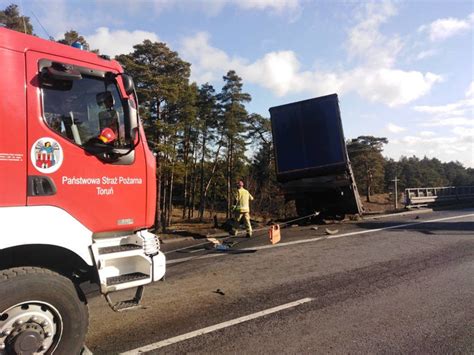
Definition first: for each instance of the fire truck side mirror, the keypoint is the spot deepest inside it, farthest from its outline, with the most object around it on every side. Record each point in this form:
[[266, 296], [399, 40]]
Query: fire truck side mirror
[[133, 116], [128, 84]]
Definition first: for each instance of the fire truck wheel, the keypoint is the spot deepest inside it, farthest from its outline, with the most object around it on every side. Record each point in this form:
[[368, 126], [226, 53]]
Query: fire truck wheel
[[40, 312]]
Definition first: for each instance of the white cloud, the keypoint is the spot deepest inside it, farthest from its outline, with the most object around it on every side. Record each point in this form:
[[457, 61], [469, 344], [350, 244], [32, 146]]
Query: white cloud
[[209, 7], [60, 16], [426, 54], [470, 90], [454, 114], [214, 7], [394, 87], [208, 63], [277, 71], [375, 78], [427, 134], [365, 40], [446, 148], [458, 108], [447, 122], [277, 5], [463, 131], [458, 117], [393, 128], [67, 16], [281, 72], [118, 41], [60, 20], [442, 29]]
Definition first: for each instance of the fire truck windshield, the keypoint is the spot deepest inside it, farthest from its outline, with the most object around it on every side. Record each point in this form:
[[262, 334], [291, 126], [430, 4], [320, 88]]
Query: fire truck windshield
[[81, 109]]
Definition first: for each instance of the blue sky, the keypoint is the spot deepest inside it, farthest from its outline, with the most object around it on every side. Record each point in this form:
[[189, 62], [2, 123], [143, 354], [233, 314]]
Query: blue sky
[[402, 69]]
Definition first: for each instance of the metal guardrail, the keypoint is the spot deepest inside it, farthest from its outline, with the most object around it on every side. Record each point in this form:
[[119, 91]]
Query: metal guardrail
[[430, 195]]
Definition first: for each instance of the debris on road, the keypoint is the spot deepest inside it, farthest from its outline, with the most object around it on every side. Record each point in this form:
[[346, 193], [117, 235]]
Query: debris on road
[[219, 292], [214, 241], [314, 228], [331, 231], [222, 247]]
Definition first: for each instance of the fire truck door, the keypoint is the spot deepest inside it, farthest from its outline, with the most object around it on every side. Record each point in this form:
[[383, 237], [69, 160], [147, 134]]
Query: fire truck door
[[64, 116]]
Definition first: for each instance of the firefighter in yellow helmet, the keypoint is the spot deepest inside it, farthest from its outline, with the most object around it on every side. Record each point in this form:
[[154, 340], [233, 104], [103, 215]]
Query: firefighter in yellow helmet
[[242, 206]]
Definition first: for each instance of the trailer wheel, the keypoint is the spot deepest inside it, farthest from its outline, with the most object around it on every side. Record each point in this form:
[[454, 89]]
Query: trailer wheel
[[40, 312]]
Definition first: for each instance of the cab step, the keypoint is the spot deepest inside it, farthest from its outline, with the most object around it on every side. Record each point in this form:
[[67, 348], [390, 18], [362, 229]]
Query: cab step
[[122, 262], [127, 305], [134, 276], [127, 261]]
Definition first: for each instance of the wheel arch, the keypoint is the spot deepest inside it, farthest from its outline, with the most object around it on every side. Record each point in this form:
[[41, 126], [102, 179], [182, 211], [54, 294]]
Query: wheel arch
[[55, 258], [46, 226]]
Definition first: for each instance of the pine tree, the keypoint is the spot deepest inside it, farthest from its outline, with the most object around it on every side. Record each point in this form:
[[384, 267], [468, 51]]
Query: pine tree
[[268, 199], [208, 113], [186, 111], [365, 153], [232, 101], [161, 77], [11, 18]]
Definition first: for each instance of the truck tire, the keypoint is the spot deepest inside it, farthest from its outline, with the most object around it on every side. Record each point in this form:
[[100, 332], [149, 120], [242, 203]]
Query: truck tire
[[40, 312]]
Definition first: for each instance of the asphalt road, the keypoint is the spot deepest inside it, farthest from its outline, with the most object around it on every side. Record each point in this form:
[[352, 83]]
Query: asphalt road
[[393, 285]]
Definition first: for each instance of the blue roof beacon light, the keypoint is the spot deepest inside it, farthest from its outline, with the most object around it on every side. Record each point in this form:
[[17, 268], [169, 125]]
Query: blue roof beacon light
[[78, 45]]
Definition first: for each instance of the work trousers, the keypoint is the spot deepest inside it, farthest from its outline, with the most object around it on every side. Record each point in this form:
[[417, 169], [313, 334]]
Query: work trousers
[[246, 217]]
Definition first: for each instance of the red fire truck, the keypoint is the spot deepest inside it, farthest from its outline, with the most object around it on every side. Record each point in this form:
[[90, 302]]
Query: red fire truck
[[77, 193]]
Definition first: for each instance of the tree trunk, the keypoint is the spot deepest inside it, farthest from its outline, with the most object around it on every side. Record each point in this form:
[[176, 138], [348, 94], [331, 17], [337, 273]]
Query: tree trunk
[[213, 204], [369, 181], [201, 175], [192, 192], [185, 191], [159, 179], [164, 202], [185, 179], [208, 184], [158, 225], [230, 181], [170, 188], [227, 212], [170, 197]]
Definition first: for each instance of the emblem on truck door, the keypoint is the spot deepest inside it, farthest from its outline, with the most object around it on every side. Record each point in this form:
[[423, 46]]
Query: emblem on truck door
[[46, 155]]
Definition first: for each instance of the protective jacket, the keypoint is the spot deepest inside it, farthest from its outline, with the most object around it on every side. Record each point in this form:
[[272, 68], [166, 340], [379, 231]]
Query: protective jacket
[[242, 198]]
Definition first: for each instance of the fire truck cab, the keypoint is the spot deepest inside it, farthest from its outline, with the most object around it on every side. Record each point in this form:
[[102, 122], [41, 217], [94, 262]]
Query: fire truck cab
[[77, 192]]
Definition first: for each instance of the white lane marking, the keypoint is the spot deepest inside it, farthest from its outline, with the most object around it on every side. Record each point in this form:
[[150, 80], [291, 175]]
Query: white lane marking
[[184, 248], [198, 257], [216, 327], [279, 245]]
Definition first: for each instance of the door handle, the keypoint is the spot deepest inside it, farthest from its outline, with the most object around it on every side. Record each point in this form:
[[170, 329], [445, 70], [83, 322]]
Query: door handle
[[39, 185]]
